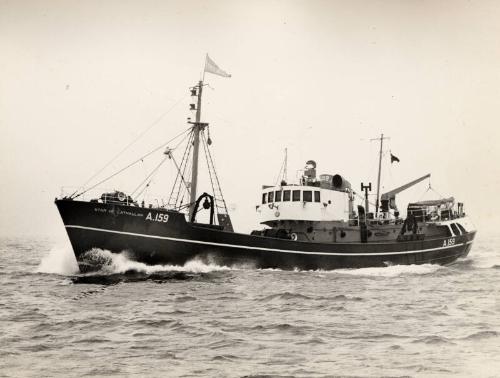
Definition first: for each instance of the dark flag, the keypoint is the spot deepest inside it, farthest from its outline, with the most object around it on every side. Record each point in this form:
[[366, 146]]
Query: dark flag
[[394, 158]]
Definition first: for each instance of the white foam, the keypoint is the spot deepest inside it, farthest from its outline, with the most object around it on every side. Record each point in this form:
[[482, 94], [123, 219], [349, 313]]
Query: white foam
[[392, 271], [120, 263], [59, 260], [388, 271]]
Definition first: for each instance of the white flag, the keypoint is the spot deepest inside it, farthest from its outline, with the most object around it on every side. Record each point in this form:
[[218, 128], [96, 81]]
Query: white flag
[[211, 67]]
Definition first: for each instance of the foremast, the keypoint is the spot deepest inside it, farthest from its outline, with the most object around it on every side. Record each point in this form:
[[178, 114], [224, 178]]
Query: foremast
[[198, 138], [197, 128]]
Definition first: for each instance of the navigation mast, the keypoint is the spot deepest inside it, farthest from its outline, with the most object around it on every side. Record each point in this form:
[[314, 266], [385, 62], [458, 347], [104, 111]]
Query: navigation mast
[[285, 174], [197, 127], [379, 171]]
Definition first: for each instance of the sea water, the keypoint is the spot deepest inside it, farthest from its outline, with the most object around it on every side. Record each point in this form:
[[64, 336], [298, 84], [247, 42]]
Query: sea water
[[199, 320]]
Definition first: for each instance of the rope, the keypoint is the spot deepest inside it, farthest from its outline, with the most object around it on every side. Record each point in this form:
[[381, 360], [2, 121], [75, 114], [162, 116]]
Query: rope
[[363, 198], [74, 195], [131, 143], [182, 207], [187, 173], [191, 136], [148, 177], [215, 174], [282, 169], [206, 157], [181, 141], [181, 171], [435, 191], [143, 190], [432, 189]]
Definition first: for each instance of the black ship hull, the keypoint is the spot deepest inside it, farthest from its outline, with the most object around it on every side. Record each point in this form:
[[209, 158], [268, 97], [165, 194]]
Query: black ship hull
[[158, 236]]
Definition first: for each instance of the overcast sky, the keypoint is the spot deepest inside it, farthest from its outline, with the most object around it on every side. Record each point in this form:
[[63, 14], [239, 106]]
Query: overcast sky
[[79, 80]]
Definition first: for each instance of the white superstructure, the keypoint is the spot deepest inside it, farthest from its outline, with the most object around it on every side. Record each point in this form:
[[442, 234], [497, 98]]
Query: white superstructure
[[304, 203]]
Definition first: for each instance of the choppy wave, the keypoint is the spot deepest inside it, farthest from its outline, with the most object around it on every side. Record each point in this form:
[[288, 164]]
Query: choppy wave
[[481, 335], [427, 321], [392, 271], [285, 296], [433, 340]]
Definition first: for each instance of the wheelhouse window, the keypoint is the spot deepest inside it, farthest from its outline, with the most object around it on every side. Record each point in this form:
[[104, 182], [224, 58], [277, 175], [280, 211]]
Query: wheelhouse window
[[307, 196], [445, 229], [286, 195], [296, 195], [264, 197], [455, 229], [277, 196], [270, 198], [317, 196], [461, 228]]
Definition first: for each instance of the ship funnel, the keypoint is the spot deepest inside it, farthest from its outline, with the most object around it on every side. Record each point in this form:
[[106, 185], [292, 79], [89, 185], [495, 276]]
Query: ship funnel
[[340, 183], [335, 182]]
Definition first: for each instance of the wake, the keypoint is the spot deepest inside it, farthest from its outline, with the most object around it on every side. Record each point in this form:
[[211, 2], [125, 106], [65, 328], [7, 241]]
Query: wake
[[393, 270]]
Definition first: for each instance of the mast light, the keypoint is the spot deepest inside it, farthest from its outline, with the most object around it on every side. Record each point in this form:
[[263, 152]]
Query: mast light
[[194, 95], [192, 108]]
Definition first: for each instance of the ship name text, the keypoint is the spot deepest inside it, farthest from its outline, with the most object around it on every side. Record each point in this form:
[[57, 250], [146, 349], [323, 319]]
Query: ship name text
[[158, 217], [116, 212]]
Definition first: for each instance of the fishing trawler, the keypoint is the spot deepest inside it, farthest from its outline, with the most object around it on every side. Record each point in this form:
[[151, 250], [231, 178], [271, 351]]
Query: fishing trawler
[[312, 224]]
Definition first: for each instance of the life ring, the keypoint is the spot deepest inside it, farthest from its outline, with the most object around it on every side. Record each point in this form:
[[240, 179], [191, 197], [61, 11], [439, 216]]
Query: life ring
[[121, 196], [293, 236]]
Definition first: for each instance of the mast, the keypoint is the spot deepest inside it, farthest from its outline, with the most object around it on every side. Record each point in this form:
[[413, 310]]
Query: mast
[[286, 165], [197, 127], [379, 171]]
